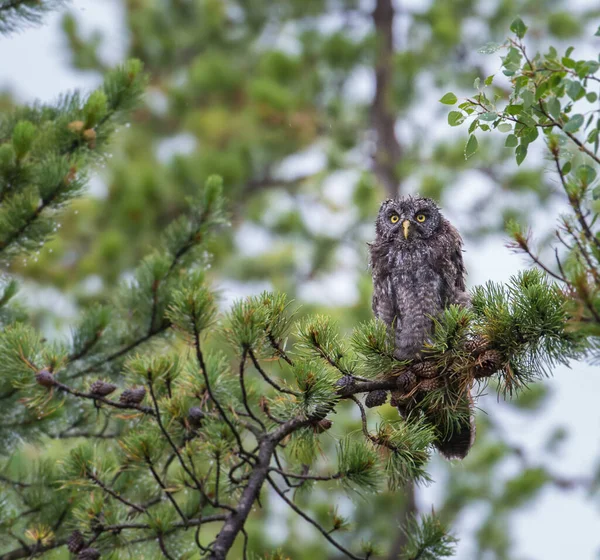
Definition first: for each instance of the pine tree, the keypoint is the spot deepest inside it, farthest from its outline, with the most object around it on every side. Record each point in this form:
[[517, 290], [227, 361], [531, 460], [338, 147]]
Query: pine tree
[[247, 92], [183, 416], [251, 91]]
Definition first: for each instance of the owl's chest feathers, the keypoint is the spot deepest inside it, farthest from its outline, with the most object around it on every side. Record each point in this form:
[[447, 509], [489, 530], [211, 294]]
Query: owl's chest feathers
[[414, 280], [412, 267]]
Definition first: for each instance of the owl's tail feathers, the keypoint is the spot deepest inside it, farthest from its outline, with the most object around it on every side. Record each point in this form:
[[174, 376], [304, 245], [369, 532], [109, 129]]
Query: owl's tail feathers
[[457, 443]]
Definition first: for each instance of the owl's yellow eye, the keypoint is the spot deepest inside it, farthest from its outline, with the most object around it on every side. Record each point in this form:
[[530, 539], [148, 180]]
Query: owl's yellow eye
[[394, 218], [421, 218]]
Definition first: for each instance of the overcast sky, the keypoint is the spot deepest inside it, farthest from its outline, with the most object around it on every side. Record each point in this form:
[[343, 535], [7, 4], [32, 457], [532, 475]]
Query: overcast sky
[[561, 524]]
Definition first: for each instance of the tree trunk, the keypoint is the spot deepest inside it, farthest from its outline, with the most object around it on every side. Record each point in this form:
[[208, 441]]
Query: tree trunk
[[388, 151]]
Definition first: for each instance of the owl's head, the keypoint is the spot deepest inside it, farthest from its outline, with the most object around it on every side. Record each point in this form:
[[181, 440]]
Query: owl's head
[[408, 219]]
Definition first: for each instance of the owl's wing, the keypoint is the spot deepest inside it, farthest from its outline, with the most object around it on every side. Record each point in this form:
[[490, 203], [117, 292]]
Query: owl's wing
[[456, 270], [383, 299]]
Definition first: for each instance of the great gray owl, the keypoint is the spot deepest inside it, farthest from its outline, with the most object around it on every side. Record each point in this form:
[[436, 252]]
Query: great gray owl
[[417, 266]]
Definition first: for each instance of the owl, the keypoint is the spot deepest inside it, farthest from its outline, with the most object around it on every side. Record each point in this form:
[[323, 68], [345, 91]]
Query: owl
[[417, 267]]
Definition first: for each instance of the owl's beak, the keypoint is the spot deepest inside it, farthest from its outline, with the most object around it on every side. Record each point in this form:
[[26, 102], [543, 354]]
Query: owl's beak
[[405, 226]]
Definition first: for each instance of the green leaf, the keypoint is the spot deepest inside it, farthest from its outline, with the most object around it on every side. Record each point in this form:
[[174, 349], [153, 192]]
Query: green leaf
[[489, 48], [471, 146], [596, 191], [473, 126], [592, 96], [513, 109], [574, 123], [597, 34], [518, 28], [520, 83], [455, 118], [592, 136], [449, 99], [574, 90], [477, 82], [491, 116], [488, 81], [521, 153], [566, 168], [553, 107], [527, 98], [586, 174], [541, 90], [527, 120], [529, 135], [504, 127], [511, 141]]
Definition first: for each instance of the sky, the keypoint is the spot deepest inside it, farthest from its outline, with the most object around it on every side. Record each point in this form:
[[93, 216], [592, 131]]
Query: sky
[[560, 524]]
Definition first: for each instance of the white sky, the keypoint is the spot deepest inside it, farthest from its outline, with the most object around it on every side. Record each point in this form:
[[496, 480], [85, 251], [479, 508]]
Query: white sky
[[560, 525]]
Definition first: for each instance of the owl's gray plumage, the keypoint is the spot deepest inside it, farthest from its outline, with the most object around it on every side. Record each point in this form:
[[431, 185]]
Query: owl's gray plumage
[[417, 266]]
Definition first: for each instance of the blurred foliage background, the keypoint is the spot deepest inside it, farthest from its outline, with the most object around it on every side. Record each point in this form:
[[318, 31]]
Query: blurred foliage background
[[313, 111]]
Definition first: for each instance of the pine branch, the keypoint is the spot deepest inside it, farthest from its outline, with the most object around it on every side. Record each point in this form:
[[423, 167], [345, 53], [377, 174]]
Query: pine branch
[[112, 403], [315, 524], [15, 14], [108, 490], [30, 551]]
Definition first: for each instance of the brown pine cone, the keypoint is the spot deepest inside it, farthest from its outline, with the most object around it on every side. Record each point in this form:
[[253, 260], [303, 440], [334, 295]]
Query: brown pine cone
[[406, 381], [45, 378], [376, 398], [75, 542], [427, 385], [323, 425], [476, 345], [89, 136], [425, 370], [133, 396], [488, 363], [89, 554], [102, 388]]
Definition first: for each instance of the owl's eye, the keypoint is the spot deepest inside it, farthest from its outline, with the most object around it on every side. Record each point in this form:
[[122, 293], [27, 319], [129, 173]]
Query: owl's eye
[[394, 218], [421, 218]]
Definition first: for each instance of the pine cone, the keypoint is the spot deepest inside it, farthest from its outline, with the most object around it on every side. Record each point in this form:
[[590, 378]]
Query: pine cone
[[376, 398], [323, 425], [102, 388], [45, 378], [89, 554], [89, 136], [195, 416], [75, 542], [431, 384], [476, 345], [488, 363], [406, 381], [76, 126], [425, 370], [133, 396], [345, 382]]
